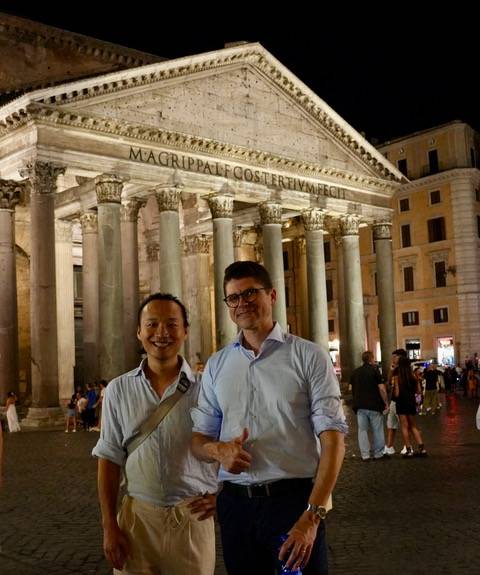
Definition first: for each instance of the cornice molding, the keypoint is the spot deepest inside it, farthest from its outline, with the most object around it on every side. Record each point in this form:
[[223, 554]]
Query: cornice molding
[[188, 143], [253, 55], [441, 178]]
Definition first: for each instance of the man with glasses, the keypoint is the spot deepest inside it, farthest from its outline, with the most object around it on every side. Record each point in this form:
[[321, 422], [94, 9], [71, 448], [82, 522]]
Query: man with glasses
[[265, 399]]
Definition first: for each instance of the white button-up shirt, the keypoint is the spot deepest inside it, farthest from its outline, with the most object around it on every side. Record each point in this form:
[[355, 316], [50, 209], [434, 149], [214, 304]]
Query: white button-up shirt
[[285, 396]]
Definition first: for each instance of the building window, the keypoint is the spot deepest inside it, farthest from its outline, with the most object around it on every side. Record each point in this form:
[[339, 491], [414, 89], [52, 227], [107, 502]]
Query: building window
[[406, 239], [440, 315], [435, 197], [413, 348], [327, 252], [410, 318], [436, 230], [433, 161], [285, 260], [472, 157], [329, 290], [404, 205], [440, 274], [477, 195], [331, 325], [478, 226], [408, 278], [402, 166]]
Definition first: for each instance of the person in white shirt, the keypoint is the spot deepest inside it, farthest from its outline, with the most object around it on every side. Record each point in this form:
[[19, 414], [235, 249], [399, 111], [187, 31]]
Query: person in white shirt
[[165, 523]]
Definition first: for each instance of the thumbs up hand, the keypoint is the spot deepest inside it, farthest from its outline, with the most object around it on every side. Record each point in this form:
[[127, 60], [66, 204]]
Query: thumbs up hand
[[233, 456]]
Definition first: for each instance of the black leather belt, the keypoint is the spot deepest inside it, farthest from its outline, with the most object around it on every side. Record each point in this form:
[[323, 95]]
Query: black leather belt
[[280, 487]]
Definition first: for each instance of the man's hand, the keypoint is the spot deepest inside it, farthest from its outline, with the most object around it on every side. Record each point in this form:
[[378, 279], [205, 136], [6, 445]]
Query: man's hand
[[298, 546], [115, 546], [232, 455], [204, 505]]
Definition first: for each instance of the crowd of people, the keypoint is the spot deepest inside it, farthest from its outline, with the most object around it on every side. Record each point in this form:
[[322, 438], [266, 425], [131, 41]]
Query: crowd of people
[[84, 409]]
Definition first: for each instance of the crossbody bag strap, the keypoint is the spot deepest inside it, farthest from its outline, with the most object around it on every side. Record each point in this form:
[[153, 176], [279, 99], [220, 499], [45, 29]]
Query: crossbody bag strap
[[155, 418]]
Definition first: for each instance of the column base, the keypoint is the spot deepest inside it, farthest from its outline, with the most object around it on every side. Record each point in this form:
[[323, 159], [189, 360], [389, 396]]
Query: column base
[[40, 418]]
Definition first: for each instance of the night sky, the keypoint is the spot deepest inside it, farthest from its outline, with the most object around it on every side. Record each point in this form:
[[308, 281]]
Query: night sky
[[388, 71]]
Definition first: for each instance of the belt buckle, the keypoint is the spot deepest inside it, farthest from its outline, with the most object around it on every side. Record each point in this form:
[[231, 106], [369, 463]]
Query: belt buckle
[[251, 489]]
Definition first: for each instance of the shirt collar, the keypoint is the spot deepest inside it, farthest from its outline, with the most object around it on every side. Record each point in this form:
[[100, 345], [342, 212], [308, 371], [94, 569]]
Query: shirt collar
[[276, 334], [185, 368]]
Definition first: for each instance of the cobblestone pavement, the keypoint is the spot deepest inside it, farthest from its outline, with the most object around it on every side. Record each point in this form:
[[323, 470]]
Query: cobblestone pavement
[[395, 517]]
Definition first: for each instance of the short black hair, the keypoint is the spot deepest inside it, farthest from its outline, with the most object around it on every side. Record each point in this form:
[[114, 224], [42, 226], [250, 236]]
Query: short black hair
[[162, 297], [247, 269], [400, 352]]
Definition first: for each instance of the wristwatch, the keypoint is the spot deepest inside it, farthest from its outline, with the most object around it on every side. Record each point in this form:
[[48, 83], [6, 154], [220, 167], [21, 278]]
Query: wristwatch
[[318, 510]]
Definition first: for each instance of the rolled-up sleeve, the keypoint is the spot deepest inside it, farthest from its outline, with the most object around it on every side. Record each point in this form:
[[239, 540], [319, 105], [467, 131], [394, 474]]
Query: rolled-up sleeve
[[207, 416], [326, 402], [110, 444]]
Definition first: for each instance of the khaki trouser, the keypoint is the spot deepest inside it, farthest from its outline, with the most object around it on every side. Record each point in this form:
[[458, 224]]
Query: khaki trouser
[[166, 540]]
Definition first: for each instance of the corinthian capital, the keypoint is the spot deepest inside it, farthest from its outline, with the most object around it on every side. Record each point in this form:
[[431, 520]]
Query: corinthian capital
[[349, 225], [129, 210], [221, 205], [109, 189], [168, 199], [43, 176], [196, 244], [89, 222], [382, 230], [11, 193], [313, 219], [270, 213]]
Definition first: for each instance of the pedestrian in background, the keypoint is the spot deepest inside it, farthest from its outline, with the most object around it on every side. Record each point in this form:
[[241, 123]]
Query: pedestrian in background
[[370, 400], [392, 418], [405, 386], [12, 417]]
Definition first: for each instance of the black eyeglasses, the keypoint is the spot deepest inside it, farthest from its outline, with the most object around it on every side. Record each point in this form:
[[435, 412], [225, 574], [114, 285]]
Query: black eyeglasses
[[247, 295]]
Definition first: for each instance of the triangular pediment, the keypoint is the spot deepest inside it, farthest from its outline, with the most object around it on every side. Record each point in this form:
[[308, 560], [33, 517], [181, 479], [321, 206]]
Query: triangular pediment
[[241, 97]]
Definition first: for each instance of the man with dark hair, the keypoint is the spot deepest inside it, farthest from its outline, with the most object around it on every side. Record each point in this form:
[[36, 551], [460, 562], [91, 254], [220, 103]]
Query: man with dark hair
[[369, 402], [165, 522], [265, 401]]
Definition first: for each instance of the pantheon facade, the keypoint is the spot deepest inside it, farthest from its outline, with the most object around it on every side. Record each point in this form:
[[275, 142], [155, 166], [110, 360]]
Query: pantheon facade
[[155, 178]]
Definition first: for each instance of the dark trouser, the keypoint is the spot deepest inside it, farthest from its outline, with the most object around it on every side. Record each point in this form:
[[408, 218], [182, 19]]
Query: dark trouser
[[251, 529]]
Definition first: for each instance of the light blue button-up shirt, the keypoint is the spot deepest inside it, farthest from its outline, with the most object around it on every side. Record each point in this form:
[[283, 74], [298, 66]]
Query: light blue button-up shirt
[[285, 396], [162, 470]]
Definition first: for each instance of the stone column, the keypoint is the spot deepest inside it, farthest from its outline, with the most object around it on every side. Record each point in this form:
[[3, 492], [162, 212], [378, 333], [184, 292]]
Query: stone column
[[45, 410], [221, 207], [65, 309], [131, 290], [170, 248], [353, 289], [197, 298], [382, 235], [90, 312], [342, 316], [317, 288], [10, 192], [271, 219], [112, 348], [301, 286]]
